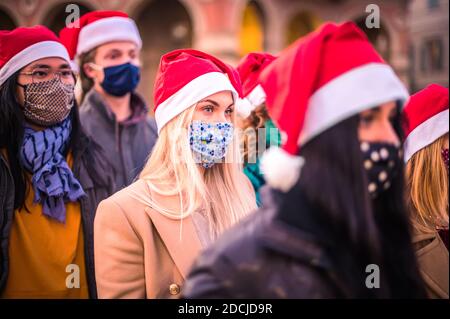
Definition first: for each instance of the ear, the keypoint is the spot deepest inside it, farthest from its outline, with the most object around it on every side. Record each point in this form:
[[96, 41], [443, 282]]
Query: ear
[[89, 71]]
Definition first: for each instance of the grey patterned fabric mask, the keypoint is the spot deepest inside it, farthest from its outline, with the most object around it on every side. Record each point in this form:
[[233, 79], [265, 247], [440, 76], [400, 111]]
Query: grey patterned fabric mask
[[48, 103]]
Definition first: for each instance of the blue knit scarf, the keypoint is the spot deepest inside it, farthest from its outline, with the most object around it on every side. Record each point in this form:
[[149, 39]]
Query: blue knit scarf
[[53, 181]]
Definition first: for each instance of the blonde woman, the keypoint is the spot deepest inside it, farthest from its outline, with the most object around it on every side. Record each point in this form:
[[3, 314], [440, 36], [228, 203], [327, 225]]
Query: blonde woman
[[426, 155], [191, 189]]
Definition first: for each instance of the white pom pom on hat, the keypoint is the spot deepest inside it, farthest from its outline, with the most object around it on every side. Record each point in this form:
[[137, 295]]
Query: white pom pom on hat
[[281, 169]]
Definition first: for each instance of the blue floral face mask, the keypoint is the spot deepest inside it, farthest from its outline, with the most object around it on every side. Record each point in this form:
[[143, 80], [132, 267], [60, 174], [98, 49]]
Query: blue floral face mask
[[209, 141]]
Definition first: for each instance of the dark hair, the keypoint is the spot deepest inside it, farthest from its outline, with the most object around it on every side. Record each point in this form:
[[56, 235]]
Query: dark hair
[[355, 230], [11, 138], [86, 82]]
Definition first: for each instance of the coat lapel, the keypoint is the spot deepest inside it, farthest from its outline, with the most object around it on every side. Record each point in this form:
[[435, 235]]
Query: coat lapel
[[183, 249]]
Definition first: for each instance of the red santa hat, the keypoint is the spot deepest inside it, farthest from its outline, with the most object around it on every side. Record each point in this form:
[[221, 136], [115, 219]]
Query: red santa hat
[[185, 77], [425, 118], [249, 69], [22, 46], [96, 28], [317, 82]]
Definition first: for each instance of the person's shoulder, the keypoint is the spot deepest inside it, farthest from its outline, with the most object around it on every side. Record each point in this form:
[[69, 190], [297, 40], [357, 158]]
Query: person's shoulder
[[89, 105], [240, 244], [130, 200], [150, 124], [230, 263]]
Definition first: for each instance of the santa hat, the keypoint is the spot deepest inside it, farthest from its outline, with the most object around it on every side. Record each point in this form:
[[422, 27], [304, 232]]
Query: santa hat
[[425, 118], [249, 69], [317, 82], [22, 46], [96, 28], [185, 77]]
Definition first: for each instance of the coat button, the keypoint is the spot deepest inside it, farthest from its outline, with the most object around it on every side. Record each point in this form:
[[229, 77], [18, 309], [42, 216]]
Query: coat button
[[174, 289]]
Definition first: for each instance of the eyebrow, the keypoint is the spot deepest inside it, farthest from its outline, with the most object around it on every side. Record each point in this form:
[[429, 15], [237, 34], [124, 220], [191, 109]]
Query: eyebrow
[[210, 101], [113, 51], [375, 109], [46, 66]]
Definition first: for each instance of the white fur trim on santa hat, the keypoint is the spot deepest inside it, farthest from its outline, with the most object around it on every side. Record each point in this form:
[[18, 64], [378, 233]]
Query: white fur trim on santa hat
[[108, 30], [426, 133], [254, 99], [281, 170], [257, 96], [40, 50], [199, 88], [357, 90], [243, 107]]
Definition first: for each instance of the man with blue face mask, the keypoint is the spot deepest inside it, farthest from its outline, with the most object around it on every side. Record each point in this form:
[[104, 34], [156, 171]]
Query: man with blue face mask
[[106, 46]]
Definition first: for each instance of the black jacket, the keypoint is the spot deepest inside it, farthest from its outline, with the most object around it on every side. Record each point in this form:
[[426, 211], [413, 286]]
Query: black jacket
[[265, 257], [94, 194]]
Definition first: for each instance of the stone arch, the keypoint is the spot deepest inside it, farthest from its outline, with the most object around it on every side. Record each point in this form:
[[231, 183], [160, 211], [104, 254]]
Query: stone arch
[[7, 20], [55, 17], [165, 25], [300, 24], [252, 35]]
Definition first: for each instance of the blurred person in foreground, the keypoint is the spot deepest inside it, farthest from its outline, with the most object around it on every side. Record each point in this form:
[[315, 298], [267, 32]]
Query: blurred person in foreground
[[338, 106]]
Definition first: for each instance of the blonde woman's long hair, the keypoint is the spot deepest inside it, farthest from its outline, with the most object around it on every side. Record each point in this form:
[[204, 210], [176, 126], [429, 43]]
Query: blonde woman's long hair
[[427, 188], [223, 192]]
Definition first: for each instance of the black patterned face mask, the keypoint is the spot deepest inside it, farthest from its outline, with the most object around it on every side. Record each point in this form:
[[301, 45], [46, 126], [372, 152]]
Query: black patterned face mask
[[381, 162]]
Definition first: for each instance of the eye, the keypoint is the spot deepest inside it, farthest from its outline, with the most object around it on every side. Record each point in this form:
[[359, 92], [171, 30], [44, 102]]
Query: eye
[[229, 111], [114, 55], [208, 108], [66, 73], [39, 74], [366, 119]]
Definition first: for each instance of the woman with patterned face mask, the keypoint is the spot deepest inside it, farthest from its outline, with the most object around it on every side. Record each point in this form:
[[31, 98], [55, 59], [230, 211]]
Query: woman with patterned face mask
[[191, 189], [426, 156], [49, 172]]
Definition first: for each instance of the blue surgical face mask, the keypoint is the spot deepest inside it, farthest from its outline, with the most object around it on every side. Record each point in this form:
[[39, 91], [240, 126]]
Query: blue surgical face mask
[[121, 79], [209, 141]]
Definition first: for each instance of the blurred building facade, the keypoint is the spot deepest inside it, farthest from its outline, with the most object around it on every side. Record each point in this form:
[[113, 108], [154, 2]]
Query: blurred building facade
[[429, 47], [413, 34]]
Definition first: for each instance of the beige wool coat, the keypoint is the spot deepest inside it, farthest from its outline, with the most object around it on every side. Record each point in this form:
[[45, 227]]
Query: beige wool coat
[[138, 251]]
